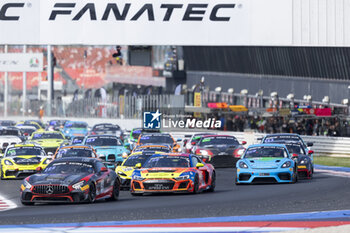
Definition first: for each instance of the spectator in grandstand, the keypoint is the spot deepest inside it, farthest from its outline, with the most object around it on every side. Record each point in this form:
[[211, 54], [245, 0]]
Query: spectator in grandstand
[[41, 112]]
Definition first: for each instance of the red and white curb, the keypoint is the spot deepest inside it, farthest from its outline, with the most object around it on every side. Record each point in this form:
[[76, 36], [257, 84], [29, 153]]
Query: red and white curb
[[6, 204]]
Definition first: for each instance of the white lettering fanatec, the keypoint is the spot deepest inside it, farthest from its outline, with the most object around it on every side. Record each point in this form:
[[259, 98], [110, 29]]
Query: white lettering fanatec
[[192, 12]]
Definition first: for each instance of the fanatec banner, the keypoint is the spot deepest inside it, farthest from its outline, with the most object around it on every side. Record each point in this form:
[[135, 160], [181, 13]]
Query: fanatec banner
[[21, 62], [141, 22]]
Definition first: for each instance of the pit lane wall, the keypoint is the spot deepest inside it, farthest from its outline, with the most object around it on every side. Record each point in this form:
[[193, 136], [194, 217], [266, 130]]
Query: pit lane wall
[[323, 146]]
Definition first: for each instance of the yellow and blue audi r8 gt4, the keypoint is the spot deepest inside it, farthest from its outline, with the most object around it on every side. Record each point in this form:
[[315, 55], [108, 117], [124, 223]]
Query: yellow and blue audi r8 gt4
[[173, 172], [20, 161]]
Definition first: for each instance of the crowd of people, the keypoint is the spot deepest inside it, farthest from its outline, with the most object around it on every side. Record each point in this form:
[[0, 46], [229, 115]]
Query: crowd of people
[[334, 126]]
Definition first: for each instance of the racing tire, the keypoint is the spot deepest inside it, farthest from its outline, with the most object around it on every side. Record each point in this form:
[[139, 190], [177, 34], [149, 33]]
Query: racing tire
[[27, 203], [213, 183], [1, 174], [295, 177], [311, 173], [92, 193], [196, 185], [115, 192]]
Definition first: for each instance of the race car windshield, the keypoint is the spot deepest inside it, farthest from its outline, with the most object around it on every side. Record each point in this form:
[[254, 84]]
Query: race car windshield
[[76, 125], [77, 140], [218, 141], [295, 149], [28, 124], [69, 168], [23, 151], [47, 136], [265, 152], [135, 134], [167, 161], [28, 131], [135, 159], [156, 139], [74, 152], [103, 141], [153, 149], [9, 132], [197, 137], [281, 138], [6, 123], [106, 128]]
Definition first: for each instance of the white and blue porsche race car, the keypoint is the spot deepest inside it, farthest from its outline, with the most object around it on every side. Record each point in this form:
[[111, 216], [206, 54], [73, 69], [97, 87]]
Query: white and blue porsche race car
[[266, 163]]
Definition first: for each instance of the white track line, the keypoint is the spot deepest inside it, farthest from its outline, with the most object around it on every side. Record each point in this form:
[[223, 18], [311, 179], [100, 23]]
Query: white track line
[[147, 229], [6, 204], [334, 173]]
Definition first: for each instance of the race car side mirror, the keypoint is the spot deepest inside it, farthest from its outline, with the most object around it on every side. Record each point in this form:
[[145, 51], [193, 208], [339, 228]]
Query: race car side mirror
[[138, 166], [311, 152], [50, 154], [103, 169], [193, 143], [294, 156], [310, 144], [198, 165], [124, 156], [244, 142]]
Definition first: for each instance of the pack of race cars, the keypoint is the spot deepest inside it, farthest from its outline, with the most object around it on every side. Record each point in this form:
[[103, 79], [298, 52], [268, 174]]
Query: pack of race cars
[[66, 161]]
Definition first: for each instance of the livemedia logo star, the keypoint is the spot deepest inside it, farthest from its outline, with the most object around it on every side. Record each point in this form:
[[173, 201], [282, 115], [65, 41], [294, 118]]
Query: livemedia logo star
[[151, 120]]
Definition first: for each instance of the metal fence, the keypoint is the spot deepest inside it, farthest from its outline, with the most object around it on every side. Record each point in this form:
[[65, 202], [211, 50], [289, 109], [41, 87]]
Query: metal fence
[[128, 107]]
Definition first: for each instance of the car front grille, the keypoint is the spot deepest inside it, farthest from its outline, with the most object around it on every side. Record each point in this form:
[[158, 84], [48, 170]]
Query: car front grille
[[284, 176], [50, 189], [158, 184], [244, 176], [259, 180]]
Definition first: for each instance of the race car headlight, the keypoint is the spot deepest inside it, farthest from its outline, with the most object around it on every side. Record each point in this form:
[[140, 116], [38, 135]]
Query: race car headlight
[[67, 131], [240, 152], [47, 161], [26, 184], [242, 165], [121, 173], [203, 152], [8, 162], [78, 185], [138, 178], [286, 164], [185, 177], [124, 154], [304, 161]]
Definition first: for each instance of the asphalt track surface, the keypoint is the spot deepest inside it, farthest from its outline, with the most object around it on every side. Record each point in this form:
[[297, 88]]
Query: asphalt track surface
[[323, 192]]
